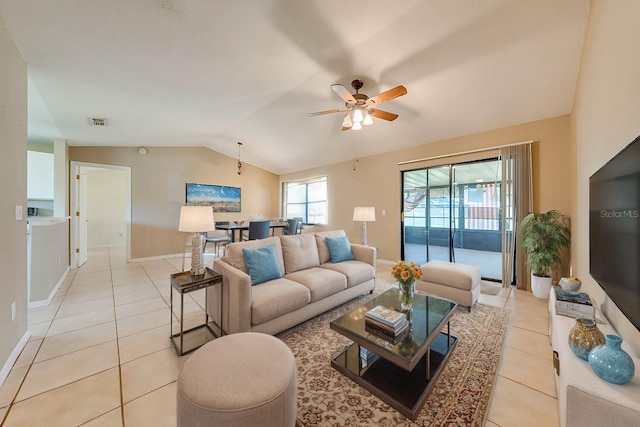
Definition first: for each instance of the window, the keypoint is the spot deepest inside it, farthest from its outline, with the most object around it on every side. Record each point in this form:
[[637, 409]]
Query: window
[[307, 200]]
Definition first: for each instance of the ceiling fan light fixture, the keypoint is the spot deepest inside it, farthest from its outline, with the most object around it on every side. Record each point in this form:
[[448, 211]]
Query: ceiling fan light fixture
[[357, 115], [347, 122], [368, 120], [359, 107]]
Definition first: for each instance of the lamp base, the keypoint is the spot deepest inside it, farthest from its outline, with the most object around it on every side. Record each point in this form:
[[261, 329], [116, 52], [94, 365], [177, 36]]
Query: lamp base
[[197, 244], [364, 233]]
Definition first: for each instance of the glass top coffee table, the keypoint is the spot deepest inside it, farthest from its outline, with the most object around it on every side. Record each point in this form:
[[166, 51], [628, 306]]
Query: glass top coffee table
[[401, 373]]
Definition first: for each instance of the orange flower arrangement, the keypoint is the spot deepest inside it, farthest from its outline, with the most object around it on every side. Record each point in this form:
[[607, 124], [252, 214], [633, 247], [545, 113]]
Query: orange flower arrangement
[[406, 272]]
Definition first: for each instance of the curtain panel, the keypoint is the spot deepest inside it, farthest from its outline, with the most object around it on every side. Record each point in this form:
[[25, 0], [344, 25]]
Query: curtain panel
[[517, 202]]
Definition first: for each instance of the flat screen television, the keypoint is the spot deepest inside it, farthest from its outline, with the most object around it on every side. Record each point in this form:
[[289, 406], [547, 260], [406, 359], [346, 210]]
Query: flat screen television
[[614, 223]]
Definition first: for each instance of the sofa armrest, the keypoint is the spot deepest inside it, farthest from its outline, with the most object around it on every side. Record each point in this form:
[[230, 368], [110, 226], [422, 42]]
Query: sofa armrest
[[236, 304], [363, 253]]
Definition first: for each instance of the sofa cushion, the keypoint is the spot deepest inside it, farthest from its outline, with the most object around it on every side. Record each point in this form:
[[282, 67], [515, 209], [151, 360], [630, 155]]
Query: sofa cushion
[[339, 249], [235, 257], [321, 282], [356, 271], [275, 298], [323, 249], [262, 264], [299, 252]]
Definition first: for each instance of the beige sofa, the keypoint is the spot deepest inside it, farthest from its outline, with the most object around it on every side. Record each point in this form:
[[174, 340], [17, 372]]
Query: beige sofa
[[311, 283]]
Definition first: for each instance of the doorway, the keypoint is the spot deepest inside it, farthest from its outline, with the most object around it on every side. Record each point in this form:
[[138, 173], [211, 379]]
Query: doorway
[[101, 208], [452, 213]]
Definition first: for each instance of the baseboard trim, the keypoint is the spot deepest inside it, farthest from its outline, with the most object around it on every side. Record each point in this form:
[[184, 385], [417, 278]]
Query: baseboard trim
[[6, 369], [46, 302], [155, 258]]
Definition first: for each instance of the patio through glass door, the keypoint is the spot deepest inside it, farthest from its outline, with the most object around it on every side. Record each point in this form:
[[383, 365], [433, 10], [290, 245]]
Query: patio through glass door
[[452, 213]]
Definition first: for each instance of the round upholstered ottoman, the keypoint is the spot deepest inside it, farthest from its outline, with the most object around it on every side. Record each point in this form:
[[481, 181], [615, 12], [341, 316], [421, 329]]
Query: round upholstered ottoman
[[246, 379]]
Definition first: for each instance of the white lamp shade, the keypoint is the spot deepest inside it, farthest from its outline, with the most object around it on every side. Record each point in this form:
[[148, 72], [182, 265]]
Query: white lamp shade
[[196, 219], [367, 119], [364, 213], [357, 115]]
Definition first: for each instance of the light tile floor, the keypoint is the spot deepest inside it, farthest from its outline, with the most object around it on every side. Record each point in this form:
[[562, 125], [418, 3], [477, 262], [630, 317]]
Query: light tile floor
[[99, 353]]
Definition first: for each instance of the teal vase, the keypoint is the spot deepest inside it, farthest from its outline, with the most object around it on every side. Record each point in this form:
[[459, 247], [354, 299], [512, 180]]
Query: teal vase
[[610, 362]]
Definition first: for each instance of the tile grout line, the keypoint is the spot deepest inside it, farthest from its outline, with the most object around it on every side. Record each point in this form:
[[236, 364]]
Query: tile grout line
[[31, 363], [115, 317]]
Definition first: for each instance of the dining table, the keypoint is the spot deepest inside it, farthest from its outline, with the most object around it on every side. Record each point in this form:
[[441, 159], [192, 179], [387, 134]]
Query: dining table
[[237, 229]]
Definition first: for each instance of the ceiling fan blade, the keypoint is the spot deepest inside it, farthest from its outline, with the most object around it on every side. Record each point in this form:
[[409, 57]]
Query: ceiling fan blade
[[343, 93], [388, 95], [320, 113], [384, 115], [346, 127]]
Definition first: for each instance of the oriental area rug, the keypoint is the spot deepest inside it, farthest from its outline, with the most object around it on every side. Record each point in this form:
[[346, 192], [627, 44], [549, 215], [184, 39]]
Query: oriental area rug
[[460, 396]]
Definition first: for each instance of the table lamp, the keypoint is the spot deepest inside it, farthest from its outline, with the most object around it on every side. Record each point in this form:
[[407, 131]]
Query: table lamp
[[364, 214], [196, 220]]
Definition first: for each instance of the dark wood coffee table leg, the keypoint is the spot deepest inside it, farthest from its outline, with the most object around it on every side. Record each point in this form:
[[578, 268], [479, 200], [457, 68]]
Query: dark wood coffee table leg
[[406, 391]]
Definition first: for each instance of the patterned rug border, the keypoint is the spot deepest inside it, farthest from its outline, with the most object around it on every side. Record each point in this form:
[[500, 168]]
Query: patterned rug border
[[460, 396]]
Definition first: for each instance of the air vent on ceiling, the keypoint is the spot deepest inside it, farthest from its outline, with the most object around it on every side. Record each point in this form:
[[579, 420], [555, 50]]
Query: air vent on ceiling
[[95, 121]]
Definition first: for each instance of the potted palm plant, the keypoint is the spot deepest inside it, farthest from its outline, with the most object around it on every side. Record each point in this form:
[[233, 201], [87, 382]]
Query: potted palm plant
[[544, 235]]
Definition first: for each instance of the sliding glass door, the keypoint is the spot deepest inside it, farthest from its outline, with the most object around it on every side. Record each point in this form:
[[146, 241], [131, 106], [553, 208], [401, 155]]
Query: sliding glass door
[[452, 213]]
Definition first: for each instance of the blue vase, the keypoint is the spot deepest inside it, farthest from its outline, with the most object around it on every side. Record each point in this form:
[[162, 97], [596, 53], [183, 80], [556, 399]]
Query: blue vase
[[610, 362]]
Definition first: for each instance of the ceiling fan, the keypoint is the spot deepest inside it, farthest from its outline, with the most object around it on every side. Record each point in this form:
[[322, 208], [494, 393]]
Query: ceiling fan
[[359, 107]]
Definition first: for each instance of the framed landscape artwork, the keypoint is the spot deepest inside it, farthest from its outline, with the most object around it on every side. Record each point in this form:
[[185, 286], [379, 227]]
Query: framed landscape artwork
[[220, 197]]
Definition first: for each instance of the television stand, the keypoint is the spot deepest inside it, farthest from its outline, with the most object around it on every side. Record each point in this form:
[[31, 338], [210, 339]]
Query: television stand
[[584, 399]]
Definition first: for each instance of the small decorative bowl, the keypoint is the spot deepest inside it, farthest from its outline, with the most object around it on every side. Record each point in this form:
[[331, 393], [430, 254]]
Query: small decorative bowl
[[570, 284]]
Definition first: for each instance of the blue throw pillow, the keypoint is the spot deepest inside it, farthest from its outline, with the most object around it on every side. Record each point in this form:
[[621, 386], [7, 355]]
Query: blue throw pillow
[[339, 249], [262, 264]]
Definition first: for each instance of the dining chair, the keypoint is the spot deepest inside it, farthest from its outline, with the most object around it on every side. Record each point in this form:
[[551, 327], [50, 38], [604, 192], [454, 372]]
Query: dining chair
[[218, 238], [292, 228], [259, 229]]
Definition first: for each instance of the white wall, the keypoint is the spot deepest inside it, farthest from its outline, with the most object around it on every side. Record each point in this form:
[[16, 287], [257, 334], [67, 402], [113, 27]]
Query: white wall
[[106, 207], [13, 175], [606, 117]]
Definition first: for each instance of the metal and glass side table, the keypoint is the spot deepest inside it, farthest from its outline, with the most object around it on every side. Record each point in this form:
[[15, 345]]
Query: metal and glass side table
[[191, 339]]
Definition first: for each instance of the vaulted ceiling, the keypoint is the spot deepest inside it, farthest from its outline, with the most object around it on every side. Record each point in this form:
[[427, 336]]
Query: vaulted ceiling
[[214, 72]]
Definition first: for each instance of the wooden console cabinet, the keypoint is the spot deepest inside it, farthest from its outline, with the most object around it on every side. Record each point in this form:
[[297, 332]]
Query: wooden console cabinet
[[584, 399]]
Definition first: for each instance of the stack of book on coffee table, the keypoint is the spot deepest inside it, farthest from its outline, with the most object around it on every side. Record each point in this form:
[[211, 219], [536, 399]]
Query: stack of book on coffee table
[[574, 304], [386, 323]]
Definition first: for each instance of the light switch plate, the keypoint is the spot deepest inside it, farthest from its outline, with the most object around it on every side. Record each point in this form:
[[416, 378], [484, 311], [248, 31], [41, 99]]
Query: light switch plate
[[18, 212]]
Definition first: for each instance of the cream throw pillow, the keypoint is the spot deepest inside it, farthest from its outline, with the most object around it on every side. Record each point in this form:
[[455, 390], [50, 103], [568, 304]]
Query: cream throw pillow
[[299, 252]]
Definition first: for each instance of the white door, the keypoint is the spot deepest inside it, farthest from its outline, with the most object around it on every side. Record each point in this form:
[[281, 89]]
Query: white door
[[82, 218], [79, 209], [78, 217]]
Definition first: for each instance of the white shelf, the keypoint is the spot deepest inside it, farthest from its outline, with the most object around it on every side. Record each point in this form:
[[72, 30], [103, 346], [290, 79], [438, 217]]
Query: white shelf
[[599, 401]]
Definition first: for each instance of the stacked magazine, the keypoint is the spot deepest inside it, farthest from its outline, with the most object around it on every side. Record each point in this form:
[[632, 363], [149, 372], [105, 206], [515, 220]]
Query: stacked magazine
[[574, 304], [386, 323]]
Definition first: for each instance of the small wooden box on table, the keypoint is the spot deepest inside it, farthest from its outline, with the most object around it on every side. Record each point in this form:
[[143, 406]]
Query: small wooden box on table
[[195, 337]]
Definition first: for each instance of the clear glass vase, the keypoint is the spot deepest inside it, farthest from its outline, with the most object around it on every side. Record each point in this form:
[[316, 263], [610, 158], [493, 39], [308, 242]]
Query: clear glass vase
[[406, 294]]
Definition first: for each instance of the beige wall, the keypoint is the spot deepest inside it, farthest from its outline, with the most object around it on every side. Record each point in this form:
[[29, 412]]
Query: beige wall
[[158, 190], [49, 254], [376, 179], [606, 118], [106, 207], [13, 175]]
